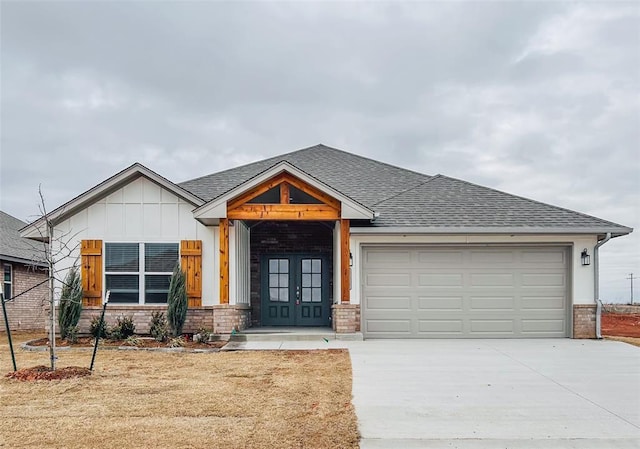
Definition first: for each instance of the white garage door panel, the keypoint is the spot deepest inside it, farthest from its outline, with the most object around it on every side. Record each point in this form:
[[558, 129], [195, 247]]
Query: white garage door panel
[[464, 293]]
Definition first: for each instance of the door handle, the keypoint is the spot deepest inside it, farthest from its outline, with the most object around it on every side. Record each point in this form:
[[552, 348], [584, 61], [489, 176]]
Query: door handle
[[297, 295]]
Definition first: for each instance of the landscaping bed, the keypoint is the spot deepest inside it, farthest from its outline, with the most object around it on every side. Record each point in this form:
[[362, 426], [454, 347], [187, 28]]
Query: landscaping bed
[[137, 342]]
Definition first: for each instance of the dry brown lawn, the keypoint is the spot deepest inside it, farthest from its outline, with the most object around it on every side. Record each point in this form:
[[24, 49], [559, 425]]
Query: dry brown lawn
[[635, 341], [262, 399]]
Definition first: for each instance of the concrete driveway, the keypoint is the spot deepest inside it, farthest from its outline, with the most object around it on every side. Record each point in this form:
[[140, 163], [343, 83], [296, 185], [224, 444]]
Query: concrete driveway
[[497, 393]]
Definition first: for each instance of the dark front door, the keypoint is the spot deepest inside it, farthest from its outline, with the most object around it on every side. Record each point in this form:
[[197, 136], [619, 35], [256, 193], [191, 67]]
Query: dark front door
[[295, 290]]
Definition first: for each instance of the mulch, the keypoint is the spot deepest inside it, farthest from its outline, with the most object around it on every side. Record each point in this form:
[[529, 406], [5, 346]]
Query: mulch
[[42, 372], [88, 342]]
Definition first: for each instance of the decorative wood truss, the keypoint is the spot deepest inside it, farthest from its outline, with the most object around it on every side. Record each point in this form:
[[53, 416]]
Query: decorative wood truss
[[245, 207]]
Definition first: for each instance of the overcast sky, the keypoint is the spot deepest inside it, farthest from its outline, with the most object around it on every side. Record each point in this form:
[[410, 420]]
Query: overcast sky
[[536, 99]]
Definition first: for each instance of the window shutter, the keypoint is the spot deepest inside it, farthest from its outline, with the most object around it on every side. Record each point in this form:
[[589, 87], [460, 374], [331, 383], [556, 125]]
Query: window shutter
[[91, 253], [191, 263]]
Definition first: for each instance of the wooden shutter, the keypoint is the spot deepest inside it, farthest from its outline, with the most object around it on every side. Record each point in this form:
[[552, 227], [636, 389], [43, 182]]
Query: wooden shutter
[[91, 273], [191, 264]]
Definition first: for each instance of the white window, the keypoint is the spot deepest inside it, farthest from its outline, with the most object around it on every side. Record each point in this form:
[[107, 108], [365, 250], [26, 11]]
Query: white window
[[139, 273], [8, 281]]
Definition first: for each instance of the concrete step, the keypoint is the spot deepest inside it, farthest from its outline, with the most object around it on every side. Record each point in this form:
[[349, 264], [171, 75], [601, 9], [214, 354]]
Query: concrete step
[[290, 334]]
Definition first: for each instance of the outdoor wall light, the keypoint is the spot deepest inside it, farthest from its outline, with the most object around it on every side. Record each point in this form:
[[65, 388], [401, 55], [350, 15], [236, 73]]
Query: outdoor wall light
[[585, 257], [350, 259]]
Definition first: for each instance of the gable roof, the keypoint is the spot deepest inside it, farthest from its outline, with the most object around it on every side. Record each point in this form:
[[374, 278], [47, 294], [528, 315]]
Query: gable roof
[[14, 248], [134, 171], [407, 201], [217, 208]]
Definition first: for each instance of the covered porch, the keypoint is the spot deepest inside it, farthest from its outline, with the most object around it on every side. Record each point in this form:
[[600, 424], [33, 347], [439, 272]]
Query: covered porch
[[284, 254]]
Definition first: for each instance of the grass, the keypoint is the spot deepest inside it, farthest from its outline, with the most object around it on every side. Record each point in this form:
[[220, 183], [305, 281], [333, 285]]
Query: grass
[[635, 341], [261, 399]]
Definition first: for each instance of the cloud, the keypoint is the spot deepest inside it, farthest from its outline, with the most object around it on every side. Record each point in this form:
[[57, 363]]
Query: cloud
[[539, 99]]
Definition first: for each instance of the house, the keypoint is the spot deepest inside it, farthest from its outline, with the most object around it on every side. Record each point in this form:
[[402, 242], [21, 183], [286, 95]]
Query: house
[[322, 237], [25, 275]]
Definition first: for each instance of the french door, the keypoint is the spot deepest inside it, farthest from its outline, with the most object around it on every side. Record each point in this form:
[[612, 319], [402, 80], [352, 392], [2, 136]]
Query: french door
[[295, 290]]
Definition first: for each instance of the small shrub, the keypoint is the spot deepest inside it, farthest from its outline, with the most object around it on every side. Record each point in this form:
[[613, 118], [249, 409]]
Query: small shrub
[[123, 329], [70, 305], [177, 342], [97, 330], [177, 301], [202, 335], [132, 341], [159, 328]]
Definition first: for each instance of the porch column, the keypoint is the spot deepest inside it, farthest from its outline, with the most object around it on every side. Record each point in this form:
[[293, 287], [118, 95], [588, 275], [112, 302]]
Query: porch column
[[224, 261], [345, 268]]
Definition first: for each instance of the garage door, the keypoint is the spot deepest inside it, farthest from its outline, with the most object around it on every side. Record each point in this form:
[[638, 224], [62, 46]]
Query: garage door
[[482, 292]]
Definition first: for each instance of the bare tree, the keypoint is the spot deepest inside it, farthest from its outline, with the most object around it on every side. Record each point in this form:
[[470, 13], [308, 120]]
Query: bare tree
[[56, 249]]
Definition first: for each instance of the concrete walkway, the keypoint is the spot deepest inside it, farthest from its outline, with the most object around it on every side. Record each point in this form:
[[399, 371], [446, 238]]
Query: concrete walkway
[[497, 393]]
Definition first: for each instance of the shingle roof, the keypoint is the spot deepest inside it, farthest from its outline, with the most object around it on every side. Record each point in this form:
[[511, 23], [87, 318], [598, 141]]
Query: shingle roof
[[15, 248], [449, 202], [364, 180], [404, 198]]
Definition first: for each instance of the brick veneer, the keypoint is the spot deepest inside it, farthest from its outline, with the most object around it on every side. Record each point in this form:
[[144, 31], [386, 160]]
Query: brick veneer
[[227, 318], [26, 312], [197, 318], [346, 318], [584, 321]]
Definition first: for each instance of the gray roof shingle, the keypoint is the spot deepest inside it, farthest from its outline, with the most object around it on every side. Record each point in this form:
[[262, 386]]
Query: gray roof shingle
[[15, 248], [404, 198], [449, 202]]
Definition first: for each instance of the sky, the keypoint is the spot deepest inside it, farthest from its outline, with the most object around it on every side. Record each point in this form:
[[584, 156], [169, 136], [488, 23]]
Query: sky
[[538, 99]]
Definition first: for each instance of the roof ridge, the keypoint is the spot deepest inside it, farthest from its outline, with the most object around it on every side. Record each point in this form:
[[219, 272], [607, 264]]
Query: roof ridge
[[532, 200], [284, 156]]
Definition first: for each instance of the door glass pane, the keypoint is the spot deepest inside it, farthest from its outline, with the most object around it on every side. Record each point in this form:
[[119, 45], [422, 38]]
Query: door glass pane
[[316, 280], [306, 265], [306, 295], [317, 266], [316, 295], [284, 265], [273, 280], [273, 294], [273, 265], [284, 295], [284, 280], [306, 280]]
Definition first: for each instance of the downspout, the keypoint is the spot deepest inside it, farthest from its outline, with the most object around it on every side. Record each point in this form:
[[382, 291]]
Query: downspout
[[596, 284]]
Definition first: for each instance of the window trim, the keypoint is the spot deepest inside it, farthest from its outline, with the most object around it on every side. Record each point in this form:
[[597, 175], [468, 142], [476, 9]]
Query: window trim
[[141, 273], [10, 282]]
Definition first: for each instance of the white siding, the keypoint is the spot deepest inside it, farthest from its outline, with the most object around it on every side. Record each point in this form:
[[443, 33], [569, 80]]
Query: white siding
[[142, 211]]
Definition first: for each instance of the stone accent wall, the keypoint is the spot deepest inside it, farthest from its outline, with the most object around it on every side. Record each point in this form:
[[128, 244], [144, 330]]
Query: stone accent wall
[[286, 237], [227, 318], [197, 318], [26, 312], [346, 318], [584, 321]]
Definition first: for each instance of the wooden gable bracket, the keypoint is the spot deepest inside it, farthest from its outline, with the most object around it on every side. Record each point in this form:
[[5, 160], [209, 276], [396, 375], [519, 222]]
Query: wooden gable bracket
[[240, 208]]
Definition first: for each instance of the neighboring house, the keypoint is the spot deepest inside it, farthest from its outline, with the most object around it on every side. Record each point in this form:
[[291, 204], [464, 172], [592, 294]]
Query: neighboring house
[[23, 267], [321, 237]]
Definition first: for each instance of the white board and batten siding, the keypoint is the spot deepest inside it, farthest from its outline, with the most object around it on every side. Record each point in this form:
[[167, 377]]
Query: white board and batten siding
[[465, 292], [143, 211]]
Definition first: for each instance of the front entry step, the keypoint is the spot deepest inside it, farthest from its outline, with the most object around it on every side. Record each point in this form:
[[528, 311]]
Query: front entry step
[[277, 333]]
